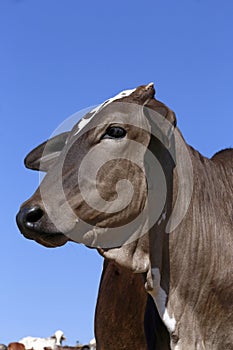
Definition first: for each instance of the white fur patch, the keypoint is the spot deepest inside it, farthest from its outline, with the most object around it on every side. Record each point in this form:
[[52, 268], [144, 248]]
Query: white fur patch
[[170, 322], [163, 217], [160, 299], [177, 347], [118, 96], [84, 121]]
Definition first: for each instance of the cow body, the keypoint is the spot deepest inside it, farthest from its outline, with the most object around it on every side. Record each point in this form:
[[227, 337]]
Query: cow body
[[3, 347], [195, 277], [15, 346], [174, 227]]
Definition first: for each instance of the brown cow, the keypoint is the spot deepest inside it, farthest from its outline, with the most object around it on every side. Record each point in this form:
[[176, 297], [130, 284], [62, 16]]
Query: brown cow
[[120, 291], [128, 184], [3, 347], [16, 346]]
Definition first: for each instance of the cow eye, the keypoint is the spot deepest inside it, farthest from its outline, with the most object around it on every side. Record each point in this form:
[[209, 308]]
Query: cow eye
[[114, 132]]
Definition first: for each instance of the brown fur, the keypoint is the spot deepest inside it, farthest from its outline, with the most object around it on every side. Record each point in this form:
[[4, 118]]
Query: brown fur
[[16, 346], [120, 310], [193, 263]]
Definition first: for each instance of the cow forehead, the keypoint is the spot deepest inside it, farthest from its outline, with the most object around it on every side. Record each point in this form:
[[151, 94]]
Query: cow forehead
[[86, 119]]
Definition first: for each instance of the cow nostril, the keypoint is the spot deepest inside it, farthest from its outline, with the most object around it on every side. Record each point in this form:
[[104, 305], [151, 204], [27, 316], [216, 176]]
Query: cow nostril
[[28, 217], [34, 215]]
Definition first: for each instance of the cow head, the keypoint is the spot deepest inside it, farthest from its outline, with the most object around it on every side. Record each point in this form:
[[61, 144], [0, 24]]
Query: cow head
[[97, 187], [59, 337]]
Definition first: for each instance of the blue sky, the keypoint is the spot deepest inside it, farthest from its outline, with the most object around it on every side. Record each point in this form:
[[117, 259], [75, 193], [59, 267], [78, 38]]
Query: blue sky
[[57, 57]]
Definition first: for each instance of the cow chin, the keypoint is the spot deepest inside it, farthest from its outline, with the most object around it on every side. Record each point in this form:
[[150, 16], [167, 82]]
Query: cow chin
[[48, 240], [52, 240]]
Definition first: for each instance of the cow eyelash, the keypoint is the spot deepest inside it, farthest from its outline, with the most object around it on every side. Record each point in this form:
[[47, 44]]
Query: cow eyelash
[[114, 132]]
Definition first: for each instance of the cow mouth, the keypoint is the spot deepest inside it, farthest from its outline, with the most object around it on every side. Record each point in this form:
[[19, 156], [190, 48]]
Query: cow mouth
[[48, 240]]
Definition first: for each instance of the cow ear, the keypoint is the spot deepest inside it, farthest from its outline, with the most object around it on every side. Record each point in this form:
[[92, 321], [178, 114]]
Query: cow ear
[[166, 129], [162, 109], [43, 156]]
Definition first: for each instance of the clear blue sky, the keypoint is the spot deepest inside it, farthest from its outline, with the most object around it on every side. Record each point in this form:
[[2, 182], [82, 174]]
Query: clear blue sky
[[58, 56]]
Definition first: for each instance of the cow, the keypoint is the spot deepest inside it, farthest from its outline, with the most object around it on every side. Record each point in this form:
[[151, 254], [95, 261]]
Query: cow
[[3, 347], [129, 185], [76, 347], [121, 295], [15, 346], [92, 343], [40, 343]]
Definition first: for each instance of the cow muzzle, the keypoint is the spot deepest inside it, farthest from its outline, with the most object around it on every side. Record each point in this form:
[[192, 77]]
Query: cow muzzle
[[33, 224]]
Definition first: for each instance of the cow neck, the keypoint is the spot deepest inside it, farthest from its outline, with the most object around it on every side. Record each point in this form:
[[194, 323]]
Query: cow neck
[[159, 255], [193, 235], [193, 270]]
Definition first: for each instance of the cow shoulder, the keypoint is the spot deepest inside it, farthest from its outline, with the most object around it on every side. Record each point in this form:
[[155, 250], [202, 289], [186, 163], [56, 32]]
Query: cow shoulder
[[224, 156]]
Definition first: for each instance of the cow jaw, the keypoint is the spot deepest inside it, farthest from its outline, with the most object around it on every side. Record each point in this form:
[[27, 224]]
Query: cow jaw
[[133, 256], [52, 240], [48, 240]]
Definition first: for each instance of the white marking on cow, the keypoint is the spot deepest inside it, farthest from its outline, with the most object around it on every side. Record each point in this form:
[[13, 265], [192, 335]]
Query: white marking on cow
[[162, 218], [92, 344], [84, 121], [177, 347], [181, 346], [160, 298], [119, 96], [170, 322]]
